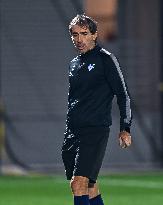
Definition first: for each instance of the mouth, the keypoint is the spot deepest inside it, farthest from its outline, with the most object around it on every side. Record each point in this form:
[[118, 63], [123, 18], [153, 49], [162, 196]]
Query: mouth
[[80, 46]]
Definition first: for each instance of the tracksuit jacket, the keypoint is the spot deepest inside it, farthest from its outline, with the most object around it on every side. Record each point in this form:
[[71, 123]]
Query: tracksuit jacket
[[95, 78]]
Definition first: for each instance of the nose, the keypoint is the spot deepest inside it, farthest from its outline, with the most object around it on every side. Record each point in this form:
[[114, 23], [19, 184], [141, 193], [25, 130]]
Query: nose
[[79, 38]]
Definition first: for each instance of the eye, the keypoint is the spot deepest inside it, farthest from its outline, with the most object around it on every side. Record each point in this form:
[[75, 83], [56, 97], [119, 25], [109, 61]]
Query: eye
[[84, 33], [74, 34]]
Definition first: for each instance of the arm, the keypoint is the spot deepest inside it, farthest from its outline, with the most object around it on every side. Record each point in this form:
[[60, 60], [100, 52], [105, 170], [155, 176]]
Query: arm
[[118, 85]]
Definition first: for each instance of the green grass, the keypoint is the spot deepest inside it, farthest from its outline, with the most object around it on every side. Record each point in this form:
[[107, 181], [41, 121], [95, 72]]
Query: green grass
[[146, 189]]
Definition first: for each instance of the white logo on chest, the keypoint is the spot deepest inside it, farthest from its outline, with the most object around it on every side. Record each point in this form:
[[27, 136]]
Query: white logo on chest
[[91, 66]]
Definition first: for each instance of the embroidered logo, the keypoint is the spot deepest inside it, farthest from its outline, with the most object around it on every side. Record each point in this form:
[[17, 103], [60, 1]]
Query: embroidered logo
[[91, 66]]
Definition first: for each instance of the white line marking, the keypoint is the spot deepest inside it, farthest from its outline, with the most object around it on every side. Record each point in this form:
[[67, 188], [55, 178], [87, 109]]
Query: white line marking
[[123, 182], [132, 183]]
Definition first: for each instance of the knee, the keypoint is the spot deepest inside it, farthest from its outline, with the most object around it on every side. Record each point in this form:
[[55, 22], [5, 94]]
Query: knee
[[93, 190], [79, 185]]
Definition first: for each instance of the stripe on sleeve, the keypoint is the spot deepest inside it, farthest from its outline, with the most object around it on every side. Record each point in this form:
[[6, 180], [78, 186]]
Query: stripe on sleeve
[[128, 108]]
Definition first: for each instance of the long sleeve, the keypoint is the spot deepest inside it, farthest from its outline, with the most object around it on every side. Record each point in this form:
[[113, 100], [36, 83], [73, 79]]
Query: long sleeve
[[118, 85]]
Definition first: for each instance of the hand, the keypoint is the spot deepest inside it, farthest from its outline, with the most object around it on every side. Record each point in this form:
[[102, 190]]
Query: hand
[[124, 139]]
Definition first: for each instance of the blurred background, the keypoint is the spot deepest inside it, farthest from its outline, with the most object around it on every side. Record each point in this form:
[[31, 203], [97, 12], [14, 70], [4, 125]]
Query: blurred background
[[35, 50]]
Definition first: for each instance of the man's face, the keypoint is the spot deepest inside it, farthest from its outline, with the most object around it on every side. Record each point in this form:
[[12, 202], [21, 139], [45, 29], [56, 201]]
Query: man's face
[[82, 38]]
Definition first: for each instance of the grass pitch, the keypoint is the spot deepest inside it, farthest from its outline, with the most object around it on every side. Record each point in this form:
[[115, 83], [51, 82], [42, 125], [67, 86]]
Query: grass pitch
[[146, 189]]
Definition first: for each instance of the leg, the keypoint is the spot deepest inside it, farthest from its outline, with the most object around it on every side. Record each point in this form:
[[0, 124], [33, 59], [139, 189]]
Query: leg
[[88, 165], [94, 194], [93, 190], [79, 186]]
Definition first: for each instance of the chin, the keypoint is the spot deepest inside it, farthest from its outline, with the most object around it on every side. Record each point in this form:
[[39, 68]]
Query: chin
[[83, 51]]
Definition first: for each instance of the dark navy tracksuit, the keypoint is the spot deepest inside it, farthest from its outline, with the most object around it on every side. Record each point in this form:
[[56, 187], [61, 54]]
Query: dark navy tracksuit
[[94, 79]]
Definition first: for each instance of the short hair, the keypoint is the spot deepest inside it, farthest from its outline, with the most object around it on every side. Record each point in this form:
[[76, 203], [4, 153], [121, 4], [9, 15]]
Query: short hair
[[84, 21]]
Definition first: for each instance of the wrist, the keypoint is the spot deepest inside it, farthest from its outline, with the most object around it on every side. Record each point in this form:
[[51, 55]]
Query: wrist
[[126, 129]]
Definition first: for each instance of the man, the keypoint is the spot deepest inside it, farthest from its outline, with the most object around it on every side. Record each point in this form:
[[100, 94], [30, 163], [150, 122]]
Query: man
[[94, 78]]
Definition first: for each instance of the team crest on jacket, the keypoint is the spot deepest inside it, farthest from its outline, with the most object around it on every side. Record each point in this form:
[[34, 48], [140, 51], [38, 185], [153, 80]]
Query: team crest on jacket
[[91, 66]]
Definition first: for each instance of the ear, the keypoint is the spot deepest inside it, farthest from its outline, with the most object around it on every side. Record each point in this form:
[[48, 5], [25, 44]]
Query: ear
[[95, 36]]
